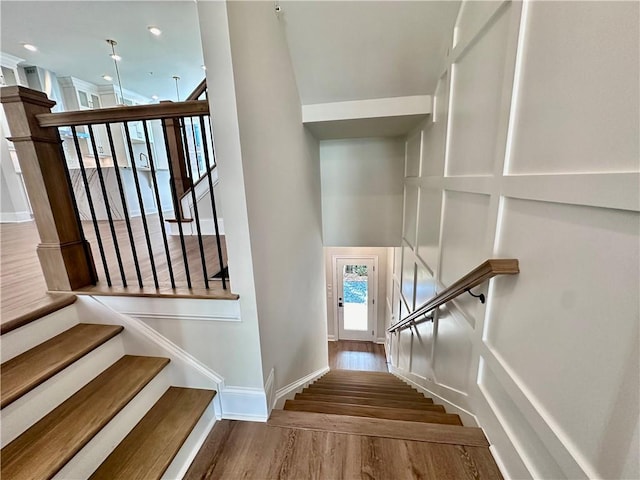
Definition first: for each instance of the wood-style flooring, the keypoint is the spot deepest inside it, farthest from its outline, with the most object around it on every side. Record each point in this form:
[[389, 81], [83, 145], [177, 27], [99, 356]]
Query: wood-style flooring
[[22, 285], [354, 355], [250, 450]]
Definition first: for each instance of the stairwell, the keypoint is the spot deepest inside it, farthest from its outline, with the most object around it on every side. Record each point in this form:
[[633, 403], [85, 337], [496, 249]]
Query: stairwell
[[349, 424], [78, 405]]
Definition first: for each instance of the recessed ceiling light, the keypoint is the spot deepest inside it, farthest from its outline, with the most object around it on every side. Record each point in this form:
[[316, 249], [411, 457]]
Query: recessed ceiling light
[[204, 67], [154, 30], [31, 48], [116, 57], [155, 97], [108, 78]]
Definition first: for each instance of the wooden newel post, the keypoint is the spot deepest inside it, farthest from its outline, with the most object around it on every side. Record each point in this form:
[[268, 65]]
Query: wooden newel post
[[65, 256], [175, 151]]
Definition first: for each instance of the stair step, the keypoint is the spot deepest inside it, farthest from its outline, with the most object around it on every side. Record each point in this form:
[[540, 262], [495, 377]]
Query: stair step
[[373, 412], [365, 387], [358, 374], [23, 373], [415, 396], [377, 427], [375, 402], [153, 443], [48, 445], [55, 302], [363, 381]]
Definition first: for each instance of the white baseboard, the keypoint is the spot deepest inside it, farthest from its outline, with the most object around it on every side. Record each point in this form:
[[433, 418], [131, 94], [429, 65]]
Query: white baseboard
[[287, 392], [468, 418], [380, 340], [332, 338], [244, 403], [15, 217]]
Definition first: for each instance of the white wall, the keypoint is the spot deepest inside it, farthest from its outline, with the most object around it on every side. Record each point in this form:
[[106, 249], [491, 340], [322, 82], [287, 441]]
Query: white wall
[[362, 191], [277, 162], [533, 155], [382, 276]]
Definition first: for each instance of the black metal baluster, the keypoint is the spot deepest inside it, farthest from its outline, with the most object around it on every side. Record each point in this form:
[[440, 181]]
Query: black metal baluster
[[134, 169], [125, 209], [76, 211], [197, 218], [157, 195], [107, 206], [91, 207], [176, 204], [213, 201]]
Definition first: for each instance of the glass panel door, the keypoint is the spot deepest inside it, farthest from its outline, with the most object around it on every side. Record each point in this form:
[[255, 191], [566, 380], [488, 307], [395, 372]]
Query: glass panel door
[[355, 299]]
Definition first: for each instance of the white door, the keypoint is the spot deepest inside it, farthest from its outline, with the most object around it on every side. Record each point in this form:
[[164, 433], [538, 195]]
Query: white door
[[356, 298]]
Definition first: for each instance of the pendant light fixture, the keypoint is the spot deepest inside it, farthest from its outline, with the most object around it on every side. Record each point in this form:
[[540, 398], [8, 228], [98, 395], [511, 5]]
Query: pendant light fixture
[[177, 79], [116, 58]]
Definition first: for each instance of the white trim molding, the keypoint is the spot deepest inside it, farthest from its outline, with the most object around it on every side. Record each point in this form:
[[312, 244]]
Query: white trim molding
[[244, 403], [15, 217], [288, 391]]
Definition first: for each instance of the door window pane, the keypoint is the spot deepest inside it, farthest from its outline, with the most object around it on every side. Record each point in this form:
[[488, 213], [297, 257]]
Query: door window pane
[[355, 288]]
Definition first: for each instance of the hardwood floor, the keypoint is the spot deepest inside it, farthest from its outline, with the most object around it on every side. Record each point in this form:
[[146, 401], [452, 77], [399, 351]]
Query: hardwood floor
[[353, 355], [22, 285], [250, 450]]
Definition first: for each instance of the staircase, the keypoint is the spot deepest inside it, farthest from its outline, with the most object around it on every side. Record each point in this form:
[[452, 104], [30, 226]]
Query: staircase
[[77, 405], [349, 424]]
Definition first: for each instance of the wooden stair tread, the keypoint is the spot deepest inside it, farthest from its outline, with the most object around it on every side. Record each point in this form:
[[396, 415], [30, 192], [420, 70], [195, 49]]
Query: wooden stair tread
[[365, 387], [55, 302], [33, 367], [376, 402], [363, 381], [146, 452], [47, 446], [413, 396], [373, 412], [377, 427]]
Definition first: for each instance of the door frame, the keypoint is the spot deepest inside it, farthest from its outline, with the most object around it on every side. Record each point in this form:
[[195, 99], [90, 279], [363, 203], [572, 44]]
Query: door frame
[[374, 288]]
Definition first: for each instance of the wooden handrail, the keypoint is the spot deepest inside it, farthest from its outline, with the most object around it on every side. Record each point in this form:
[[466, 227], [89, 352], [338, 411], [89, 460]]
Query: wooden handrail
[[199, 90], [124, 114], [475, 277]]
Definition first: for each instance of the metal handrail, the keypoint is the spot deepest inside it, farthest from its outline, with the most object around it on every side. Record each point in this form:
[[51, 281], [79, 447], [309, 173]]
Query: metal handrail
[[475, 277]]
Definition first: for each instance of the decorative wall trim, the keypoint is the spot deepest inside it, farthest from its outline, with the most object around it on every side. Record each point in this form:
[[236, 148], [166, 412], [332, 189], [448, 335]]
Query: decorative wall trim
[[244, 403], [175, 308], [171, 348], [287, 391], [178, 316], [15, 217]]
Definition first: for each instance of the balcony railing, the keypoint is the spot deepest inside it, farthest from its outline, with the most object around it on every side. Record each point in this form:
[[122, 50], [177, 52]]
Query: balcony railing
[[121, 180]]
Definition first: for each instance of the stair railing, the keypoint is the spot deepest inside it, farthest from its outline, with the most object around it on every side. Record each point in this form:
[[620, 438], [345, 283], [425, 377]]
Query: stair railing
[[475, 277], [84, 180]]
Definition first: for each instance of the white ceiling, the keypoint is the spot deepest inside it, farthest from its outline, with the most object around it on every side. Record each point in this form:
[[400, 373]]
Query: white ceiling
[[70, 36], [340, 50], [357, 50]]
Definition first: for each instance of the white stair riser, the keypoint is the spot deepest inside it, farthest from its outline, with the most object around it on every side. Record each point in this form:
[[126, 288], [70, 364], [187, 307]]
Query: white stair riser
[[31, 407], [182, 461], [89, 458], [25, 338]]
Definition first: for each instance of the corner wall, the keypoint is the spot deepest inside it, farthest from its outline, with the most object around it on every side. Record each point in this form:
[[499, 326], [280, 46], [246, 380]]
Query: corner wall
[[532, 153], [270, 188]]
